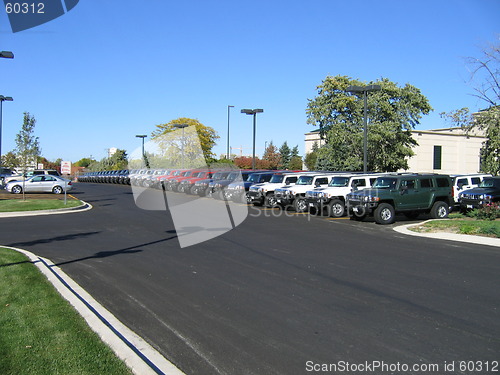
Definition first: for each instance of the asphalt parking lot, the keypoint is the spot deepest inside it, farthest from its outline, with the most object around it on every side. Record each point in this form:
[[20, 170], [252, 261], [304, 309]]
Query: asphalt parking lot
[[278, 292]]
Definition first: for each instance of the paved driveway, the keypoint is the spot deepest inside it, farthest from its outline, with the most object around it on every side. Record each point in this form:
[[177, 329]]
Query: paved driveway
[[276, 295]]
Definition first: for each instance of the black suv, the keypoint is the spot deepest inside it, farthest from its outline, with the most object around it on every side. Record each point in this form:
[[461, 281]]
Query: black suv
[[408, 193], [487, 192]]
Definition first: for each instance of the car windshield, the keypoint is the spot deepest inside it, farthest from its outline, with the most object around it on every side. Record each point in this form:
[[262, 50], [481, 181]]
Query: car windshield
[[254, 178], [339, 182], [233, 176], [304, 180], [385, 183], [276, 179], [489, 182]]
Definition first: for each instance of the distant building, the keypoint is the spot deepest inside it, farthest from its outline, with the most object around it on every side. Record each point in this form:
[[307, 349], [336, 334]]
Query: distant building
[[112, 151], [450, 150]]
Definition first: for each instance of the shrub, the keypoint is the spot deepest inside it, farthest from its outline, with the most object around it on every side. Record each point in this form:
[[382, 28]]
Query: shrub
[[489, 212]]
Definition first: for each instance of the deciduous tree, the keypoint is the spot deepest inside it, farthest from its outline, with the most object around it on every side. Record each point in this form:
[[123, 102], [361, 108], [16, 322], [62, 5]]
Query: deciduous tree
[[207, 135], [393, 112]]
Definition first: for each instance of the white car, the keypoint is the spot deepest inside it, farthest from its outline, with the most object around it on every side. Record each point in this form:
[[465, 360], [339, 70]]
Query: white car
[[40, 184]]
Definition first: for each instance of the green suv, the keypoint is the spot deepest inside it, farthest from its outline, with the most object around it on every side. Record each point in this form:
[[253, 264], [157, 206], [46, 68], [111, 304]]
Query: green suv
[[409, 194]]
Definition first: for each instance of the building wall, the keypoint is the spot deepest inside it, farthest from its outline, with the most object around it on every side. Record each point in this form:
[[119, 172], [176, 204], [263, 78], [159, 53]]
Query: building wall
[[459, 152], [310, 138]]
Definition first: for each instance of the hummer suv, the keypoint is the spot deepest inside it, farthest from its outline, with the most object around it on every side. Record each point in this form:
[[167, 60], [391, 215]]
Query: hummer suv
[[333, 197], [295, 195], [409, 194], [487, 193], [263, 194]]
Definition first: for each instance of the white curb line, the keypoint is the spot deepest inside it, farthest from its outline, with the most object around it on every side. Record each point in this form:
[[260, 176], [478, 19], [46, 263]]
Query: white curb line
[[48, 212], [449, 236], [137, 354]]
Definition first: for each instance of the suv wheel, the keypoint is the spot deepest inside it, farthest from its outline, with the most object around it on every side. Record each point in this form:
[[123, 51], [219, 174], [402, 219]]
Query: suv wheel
[[300, 205], [440, 210], [270, 200], [384, 214], [336, 208]]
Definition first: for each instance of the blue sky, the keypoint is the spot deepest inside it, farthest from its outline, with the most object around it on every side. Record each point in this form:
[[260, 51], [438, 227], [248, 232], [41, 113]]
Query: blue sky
[[108, 70]]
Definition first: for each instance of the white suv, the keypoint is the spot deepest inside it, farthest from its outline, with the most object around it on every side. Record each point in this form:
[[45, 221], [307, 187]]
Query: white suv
[[466, 182], [295, 194], [333, 197], [263, 194]]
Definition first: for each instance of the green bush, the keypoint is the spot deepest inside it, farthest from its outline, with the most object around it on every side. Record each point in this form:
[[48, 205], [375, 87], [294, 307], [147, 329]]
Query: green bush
[[488, 212]]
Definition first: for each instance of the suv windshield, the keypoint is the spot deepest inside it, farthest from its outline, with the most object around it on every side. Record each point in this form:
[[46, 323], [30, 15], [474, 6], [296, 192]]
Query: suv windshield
[[339, 182], [385, 183], [487, 182], [254, 178], [277, 178], [304, 180], [233, 176]]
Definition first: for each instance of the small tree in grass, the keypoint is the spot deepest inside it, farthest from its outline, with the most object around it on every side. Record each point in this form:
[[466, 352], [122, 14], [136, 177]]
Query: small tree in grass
[[27, 145]]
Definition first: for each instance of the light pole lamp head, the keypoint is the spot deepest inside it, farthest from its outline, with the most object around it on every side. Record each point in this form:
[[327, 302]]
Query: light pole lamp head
[[180, 126], [363, 88], [7, 54], [141, 136], [252, 111], [6, 98]]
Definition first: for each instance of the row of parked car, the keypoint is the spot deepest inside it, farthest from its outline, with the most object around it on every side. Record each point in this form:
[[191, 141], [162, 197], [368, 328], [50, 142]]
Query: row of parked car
[[336, 194]]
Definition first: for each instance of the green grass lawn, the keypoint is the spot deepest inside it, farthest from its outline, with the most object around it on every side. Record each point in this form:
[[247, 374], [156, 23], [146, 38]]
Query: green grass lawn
[[463, 226], [40, 332], [14, 205]]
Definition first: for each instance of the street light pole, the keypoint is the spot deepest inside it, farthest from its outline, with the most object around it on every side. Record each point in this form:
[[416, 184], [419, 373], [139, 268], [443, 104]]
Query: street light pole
[[5, 55], [143, 155], [254, 113], [364, 90], [228, 108], [2, 99]]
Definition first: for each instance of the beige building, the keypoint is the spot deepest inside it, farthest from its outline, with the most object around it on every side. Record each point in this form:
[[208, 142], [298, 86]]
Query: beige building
[[449, 150]]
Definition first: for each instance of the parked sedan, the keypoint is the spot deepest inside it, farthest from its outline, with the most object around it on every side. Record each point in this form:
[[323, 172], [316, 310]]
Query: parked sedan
[[40, 184]]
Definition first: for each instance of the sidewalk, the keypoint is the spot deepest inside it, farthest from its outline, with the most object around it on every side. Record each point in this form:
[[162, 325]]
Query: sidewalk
[[137, 354]]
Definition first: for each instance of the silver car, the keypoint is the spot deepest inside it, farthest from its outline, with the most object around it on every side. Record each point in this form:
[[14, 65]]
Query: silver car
[[40, 184]]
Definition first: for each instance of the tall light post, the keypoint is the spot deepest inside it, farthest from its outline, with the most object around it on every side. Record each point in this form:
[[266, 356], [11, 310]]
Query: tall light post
[[143, 154], [2, 99], [365, 90], [181, 126], [5, 55], [254, 113], [228, 108]]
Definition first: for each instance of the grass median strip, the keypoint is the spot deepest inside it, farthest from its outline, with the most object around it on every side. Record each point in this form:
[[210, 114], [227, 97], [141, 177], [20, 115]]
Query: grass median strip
[[40, 332], [461, 226], [14, 205]]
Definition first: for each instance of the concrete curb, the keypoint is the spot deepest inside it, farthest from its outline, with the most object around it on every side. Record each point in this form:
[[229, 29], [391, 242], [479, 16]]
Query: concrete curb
[[448, 236], [83, 207], [137, 354]]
